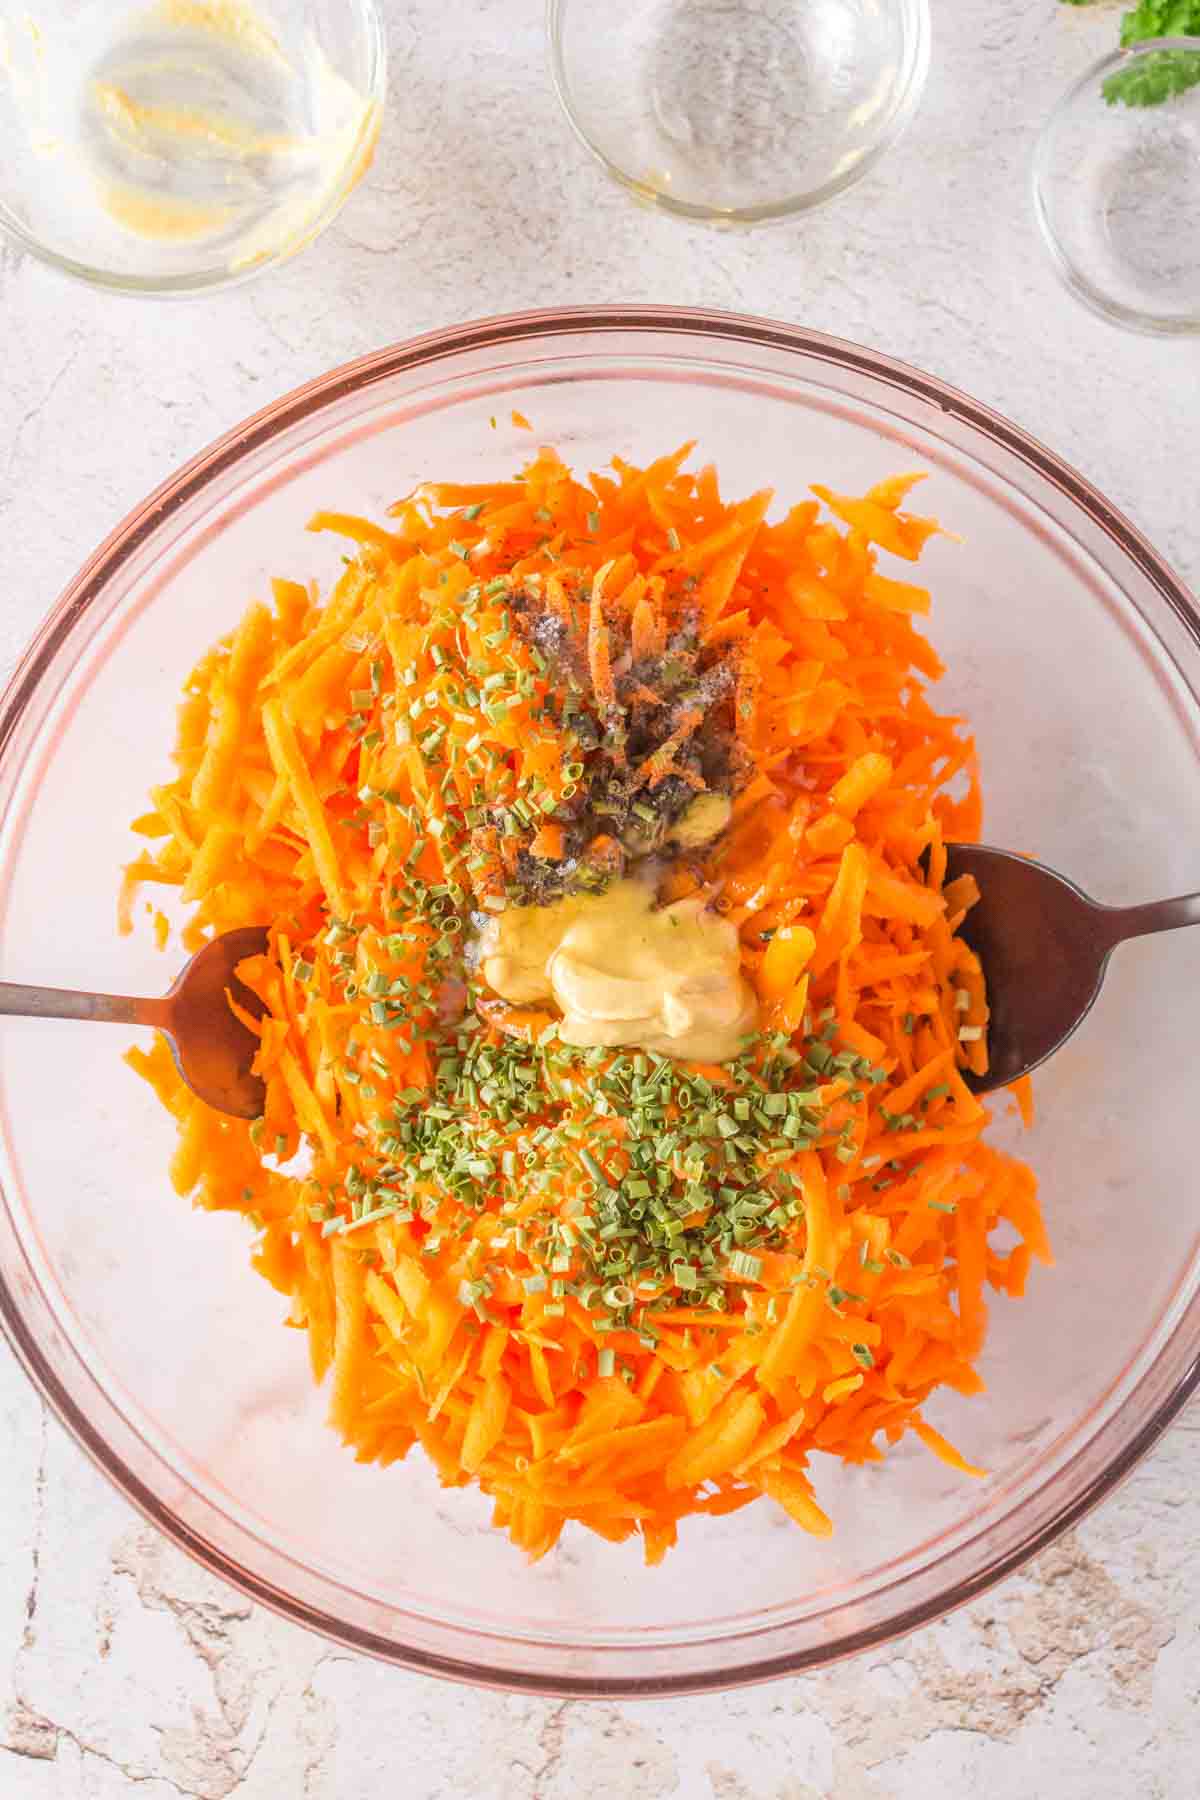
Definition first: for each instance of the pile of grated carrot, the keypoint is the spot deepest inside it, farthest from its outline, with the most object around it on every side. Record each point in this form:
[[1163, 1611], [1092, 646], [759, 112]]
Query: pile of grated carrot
[[436, 1179]]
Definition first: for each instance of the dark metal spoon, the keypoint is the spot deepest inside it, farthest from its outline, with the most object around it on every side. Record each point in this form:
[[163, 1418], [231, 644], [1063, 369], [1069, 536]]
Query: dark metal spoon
[[1044, 947], [212, 1047]]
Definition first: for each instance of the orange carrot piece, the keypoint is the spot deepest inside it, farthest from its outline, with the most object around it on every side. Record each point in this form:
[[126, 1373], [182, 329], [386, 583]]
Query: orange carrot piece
[[933, 1440], [549, 843]]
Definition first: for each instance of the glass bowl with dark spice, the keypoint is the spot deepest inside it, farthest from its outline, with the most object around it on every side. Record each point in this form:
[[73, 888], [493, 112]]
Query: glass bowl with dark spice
[[180, 1384], [736, 112]]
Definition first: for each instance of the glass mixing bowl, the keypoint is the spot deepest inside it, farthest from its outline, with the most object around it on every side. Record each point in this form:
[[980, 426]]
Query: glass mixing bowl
[[1075, 653]]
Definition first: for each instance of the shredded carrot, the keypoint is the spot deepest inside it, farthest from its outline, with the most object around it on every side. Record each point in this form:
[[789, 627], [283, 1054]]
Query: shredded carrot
[[1022, 1092], [804, 1240], [549, 843]]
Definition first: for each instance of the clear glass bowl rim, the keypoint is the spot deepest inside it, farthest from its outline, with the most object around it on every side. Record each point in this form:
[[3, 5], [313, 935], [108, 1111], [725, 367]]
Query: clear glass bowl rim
[[1071, 276], [1158, 1395], [182, 287], [918, 37]]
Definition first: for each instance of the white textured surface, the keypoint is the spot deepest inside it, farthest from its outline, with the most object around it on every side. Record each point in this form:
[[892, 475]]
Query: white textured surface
[[127, 1670]]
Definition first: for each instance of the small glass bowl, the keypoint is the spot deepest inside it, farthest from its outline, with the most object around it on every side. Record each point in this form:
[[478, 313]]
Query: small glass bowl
[[738, 111], [173, 146], [1116, 187]]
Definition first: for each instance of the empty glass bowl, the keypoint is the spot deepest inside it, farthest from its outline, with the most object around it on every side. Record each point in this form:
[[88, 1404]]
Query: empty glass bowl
[[1116, 185], [168, 146], [141, 1319], [737, 111]]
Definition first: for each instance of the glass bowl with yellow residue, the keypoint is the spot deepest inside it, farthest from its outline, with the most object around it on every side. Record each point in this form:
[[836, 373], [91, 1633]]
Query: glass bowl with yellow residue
[[173, 146], [141, 1319]]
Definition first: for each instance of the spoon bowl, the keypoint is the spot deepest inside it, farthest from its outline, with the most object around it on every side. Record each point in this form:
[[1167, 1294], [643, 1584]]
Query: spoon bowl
[[1044, 946], [213, 1049]]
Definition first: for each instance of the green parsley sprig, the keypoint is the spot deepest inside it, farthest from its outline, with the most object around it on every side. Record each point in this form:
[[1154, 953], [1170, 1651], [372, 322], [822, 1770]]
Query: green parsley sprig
[[1166, 73]]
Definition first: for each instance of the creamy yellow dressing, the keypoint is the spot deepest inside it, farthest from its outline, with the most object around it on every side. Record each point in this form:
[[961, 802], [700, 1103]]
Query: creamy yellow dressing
[[703, 820], [232, 20], [626, 972], [152, 129], [161, 217]]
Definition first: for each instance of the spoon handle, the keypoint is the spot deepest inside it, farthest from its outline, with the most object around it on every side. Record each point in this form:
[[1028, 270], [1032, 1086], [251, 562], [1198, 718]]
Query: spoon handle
[[69, 1003], [1157, 915]]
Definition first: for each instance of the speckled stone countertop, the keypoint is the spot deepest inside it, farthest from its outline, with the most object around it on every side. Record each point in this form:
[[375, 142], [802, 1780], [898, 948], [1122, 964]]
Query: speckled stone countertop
[[127, 1670]]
